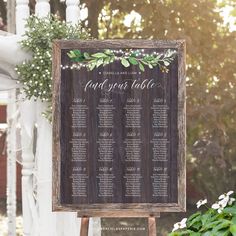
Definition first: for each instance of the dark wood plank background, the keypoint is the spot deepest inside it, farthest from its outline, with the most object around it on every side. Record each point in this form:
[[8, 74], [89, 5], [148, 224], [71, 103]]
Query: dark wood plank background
[[69, 84]]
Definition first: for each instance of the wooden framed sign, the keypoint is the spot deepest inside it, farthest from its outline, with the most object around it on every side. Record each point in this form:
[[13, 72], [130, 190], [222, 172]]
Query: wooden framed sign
[[119, 127]]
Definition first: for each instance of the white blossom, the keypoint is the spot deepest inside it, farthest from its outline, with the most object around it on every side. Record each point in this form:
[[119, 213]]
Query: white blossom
[[180, 225], [231, 201], [219, 206], [226, 195], [201, 203]]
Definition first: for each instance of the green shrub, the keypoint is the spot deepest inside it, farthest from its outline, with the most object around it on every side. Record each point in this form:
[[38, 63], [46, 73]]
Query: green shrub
[[217, 220]]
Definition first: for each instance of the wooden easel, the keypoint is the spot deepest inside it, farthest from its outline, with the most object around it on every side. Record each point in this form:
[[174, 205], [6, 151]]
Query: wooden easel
[[84, 226], [152, 228], [152, 231]]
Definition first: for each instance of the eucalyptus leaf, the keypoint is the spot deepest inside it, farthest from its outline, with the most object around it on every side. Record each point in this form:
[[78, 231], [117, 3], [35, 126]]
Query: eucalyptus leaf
[[133, 60], [108, 52], [71, 54], [99, 54], [135, 53], [159, 56], [144, 62], [166, 63], [86, 55], [92, 66], [112, 59], [108, 56], [149, 58], [99, 62], [125, 62], [141, 67], [77, 52], [77, 59], [107, 61]]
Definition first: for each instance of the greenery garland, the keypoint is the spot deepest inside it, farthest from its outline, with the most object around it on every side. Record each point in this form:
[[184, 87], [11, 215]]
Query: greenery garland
[[36, 74], [127, 58]]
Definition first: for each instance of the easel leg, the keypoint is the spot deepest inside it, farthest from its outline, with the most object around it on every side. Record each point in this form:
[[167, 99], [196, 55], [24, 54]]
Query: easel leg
[[84, 226], [152, 230]]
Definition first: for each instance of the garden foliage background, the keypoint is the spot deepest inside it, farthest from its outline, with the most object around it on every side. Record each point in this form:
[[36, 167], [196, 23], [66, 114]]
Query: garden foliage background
[[211, 73]]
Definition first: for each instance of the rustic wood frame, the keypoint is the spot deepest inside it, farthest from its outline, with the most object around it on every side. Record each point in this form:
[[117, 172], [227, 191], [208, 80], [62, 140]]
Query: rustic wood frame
[[131, 209]]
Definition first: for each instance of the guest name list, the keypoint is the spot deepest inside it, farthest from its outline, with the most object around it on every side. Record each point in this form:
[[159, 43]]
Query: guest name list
[[121, 148]]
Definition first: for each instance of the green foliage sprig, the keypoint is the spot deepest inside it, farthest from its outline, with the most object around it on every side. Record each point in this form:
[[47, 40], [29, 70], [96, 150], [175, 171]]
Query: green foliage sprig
[[36, 74], [217, 220], [127, 58]]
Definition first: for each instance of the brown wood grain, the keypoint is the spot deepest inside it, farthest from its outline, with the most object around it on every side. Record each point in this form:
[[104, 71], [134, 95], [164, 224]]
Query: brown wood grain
[[117, 43], [152, 230], [84, 227], [142, 209]]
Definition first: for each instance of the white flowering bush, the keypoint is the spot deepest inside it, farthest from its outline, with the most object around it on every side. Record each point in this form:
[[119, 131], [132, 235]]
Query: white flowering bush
[[36, 74], [217, 220]]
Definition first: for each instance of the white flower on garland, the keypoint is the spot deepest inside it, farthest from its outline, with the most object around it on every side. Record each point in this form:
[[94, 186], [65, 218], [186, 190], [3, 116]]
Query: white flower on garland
[[201, 203], [180, 225]]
